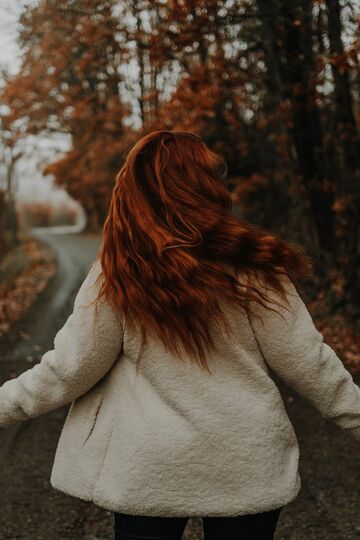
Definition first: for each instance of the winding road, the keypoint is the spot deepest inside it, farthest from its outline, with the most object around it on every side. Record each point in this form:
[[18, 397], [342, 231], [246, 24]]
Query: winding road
[[328, 506]]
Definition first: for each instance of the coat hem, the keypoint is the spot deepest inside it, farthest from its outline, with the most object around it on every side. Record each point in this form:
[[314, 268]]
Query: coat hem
[[161, 512]]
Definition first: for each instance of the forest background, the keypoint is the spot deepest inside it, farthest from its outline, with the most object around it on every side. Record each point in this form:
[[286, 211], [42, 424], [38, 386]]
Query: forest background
[[272, 85]]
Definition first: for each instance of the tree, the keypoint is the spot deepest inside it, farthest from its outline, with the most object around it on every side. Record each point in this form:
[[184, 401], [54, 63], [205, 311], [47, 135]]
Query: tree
[[69, 83], [10, 153], [345, 147]]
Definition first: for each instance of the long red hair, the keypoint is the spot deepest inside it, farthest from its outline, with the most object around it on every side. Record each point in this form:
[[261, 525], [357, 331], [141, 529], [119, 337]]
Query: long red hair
[[171, 248]]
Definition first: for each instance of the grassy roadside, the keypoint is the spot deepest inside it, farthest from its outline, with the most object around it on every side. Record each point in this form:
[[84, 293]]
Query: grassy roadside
[[24, 273]]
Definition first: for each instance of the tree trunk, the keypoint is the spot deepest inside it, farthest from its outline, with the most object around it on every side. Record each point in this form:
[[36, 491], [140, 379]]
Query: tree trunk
[[279, 103], [299, 74], [346, 146]]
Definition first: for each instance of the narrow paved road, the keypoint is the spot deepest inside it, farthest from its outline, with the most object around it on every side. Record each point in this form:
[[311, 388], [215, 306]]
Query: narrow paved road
[[327, 507]]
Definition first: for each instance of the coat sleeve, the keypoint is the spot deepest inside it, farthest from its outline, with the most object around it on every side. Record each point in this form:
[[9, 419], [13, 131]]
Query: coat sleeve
[[84, 350], [295, 350]]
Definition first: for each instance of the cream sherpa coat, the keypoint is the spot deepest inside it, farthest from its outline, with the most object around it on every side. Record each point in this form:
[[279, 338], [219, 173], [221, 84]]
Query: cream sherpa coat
[[174, 440]]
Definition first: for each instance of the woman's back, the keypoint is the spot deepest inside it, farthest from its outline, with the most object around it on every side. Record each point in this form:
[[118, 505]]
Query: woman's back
[[183, 441], [170, 439]]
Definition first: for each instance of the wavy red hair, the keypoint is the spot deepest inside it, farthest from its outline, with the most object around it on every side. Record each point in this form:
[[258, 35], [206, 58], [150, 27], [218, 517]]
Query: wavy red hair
[[171, 247]]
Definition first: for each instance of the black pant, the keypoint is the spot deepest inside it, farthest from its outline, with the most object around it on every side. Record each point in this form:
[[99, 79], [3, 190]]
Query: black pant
[[259, 526]]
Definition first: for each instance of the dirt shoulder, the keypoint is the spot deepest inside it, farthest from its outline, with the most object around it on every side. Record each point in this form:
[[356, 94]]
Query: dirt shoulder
[[24, 273]]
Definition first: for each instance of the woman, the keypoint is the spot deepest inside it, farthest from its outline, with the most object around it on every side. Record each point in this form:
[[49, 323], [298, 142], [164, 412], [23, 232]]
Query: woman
[[168, 353]]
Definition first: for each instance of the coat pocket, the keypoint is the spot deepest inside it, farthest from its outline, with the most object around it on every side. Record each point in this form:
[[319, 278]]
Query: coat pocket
[[91, 419], [82, 416]]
